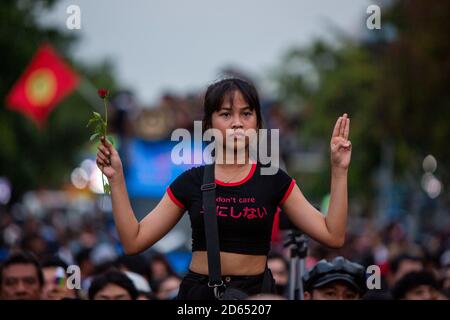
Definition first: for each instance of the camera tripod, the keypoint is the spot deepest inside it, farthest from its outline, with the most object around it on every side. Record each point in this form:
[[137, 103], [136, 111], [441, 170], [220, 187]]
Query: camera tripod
[[299, 248]]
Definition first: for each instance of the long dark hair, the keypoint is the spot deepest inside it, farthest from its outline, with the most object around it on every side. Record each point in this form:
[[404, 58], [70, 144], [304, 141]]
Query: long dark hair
[[218, 91]]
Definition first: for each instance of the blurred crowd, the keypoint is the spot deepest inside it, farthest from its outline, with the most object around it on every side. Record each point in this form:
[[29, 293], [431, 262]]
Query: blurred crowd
[[62, 253], [378, 268], [49, 258]]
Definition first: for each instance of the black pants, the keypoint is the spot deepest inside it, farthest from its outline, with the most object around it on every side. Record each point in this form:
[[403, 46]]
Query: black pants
[[194, 286]]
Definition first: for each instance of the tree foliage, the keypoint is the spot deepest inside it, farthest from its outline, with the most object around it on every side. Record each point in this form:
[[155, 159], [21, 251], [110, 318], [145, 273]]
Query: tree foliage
[[31, 158], [394, 85]]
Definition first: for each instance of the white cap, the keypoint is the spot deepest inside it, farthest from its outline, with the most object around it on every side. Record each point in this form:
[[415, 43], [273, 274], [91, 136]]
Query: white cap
[[139, 281]]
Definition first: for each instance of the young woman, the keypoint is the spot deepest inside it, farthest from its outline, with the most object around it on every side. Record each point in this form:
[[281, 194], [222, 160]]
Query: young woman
[[246, 199]]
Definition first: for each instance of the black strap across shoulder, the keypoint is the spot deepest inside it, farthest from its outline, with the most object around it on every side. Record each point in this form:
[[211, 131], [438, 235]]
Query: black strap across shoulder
[[211, 230]]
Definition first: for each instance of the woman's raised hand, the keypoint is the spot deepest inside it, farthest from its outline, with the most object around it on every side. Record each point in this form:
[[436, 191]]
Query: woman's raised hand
[[341, 147]]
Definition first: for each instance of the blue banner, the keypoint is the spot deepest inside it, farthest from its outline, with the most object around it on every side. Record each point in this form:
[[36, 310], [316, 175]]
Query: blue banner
[[149, 168]]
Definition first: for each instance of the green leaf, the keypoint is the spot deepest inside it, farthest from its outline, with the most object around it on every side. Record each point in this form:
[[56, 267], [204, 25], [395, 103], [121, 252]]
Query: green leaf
[[97, 115], [106, 188], [91, 121], [100, 128], [94, 136]]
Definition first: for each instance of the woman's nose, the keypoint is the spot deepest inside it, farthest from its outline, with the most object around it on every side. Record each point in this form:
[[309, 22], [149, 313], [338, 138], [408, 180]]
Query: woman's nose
[[236, 122]]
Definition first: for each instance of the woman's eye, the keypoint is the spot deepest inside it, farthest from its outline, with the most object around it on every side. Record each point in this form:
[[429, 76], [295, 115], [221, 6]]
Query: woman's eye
[[247, 114], [225, 114]]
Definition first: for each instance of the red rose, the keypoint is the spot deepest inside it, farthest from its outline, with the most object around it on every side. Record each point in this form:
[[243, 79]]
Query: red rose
[[103, 93]]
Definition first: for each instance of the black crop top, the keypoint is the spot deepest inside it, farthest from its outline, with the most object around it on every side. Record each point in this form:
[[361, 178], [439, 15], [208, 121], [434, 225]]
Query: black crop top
[[245, 209]]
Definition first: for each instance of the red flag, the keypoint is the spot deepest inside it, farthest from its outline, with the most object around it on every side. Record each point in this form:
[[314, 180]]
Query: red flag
[[45, 82]]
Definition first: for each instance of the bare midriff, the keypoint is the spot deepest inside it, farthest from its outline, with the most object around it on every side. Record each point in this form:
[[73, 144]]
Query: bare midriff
[[232, 264]]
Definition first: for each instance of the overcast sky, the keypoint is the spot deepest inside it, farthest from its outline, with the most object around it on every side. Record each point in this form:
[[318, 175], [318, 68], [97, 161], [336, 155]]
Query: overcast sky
[[181, 45]]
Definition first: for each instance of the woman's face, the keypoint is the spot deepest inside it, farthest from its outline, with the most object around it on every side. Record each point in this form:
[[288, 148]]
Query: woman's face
[[233, 119]]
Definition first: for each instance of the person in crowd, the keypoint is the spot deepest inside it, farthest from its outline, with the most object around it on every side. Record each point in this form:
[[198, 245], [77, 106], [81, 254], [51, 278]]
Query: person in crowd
[[403, 264], [168, 288], [279, 267], [339, 279], [445, 272], [21, 277], [160, 268], [56, 284], [112, 285], [417, 285], [82, 259], [137, 264]]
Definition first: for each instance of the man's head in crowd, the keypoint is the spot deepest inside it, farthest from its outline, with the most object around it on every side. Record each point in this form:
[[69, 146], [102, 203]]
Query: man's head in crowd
[[339, 279], [21, 278], [160, 268], [416, 285], [445, 270], [112, 285], [279, 267], [55, 280], [83, 259], [446, 281], [403, 264]]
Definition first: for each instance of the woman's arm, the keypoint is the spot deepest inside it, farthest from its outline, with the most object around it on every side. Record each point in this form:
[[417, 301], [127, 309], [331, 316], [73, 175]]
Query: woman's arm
[[329, 230], [138, 236], [135, 236]]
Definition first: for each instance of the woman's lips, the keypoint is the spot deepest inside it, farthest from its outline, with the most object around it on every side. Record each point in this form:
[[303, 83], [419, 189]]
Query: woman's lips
[[238, 135]]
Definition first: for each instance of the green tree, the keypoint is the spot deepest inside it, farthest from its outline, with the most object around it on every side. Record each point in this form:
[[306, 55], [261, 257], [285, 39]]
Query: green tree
[[31, 158], [394, 85]]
